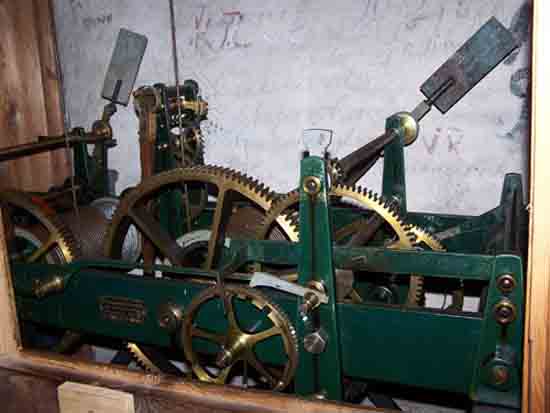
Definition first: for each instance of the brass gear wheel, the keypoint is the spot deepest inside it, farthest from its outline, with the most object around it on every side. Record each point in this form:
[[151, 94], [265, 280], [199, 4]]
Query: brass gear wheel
[[193, 148], [284, 214], [232, 218], [37, 227], [40, 226], [237, 343], [238, 220]]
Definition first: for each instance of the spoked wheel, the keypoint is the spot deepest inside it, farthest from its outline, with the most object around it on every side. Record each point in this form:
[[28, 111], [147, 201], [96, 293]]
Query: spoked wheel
[[36, 235], [229, 331]]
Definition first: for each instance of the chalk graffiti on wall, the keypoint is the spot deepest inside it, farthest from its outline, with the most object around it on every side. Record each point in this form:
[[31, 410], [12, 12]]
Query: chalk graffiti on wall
[[452, 135], [205, 38]]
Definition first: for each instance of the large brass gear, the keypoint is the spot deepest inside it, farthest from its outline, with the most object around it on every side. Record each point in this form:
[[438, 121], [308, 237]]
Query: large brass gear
[[238, 221], [237, 343], [220, 182], [36, 225], [53, 241], [284, 214]]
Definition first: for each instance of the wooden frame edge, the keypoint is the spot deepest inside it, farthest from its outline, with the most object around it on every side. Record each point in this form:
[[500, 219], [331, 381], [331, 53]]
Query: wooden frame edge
[[168, 388], [536, 358], [536, 368]]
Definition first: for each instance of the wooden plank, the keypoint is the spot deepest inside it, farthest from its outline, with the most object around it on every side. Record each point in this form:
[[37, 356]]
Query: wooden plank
[[536, 373], [168, 392], [24, 393], [9, 337], [77, 397], [23, 105], [52, 90]]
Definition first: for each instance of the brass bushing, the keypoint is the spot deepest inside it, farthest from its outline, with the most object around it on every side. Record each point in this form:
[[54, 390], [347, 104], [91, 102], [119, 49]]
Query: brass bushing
[[310, 303], [409, 127], [312, 185]]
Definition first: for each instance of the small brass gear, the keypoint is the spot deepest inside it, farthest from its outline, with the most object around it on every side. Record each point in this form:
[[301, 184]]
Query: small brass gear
[[240, 220], [193, 148], [284, 214], [237, 344]]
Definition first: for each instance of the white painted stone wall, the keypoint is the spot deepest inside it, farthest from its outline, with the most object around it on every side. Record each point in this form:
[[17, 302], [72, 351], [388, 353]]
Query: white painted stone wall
[[271, 68]]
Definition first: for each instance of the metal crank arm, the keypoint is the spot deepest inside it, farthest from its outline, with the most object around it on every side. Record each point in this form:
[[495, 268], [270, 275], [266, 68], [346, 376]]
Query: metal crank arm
[[474, 60]]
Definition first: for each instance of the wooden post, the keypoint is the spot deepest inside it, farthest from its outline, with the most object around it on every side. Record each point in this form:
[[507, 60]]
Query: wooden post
[[9, 338], [536, 367]]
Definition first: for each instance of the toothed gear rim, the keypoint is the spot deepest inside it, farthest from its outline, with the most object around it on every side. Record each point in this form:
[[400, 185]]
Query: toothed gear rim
[[276, 315], [66, 244], [284, 213], [260, 195]]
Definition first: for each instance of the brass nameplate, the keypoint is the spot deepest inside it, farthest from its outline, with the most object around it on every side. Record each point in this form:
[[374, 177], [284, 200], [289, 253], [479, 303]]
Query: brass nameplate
[[122, 309]]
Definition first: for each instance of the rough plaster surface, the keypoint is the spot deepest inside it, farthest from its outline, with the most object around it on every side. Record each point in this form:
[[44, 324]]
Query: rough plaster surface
[[272, 68]]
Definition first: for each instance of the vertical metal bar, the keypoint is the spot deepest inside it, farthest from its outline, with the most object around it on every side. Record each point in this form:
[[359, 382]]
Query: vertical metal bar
[[321, 373], [393, 181], [497, 377]]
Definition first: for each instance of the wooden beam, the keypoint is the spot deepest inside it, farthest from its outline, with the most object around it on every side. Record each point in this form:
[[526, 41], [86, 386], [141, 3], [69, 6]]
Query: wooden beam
[[536, 367], [155, 393]]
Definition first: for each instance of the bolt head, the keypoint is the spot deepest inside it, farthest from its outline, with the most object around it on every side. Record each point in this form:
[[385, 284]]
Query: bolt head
[[505, 312], [506, 283], [315, 342]]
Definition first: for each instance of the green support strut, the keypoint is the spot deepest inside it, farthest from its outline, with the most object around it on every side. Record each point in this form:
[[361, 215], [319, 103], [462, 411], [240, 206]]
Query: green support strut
[[320, 366]]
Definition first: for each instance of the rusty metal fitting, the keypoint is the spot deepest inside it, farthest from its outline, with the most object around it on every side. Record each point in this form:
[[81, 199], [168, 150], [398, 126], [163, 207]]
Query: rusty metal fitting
[[500, 375], [102, 129]]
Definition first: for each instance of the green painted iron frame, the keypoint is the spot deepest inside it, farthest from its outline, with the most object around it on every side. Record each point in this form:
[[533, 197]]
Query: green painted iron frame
[[389, 343]]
